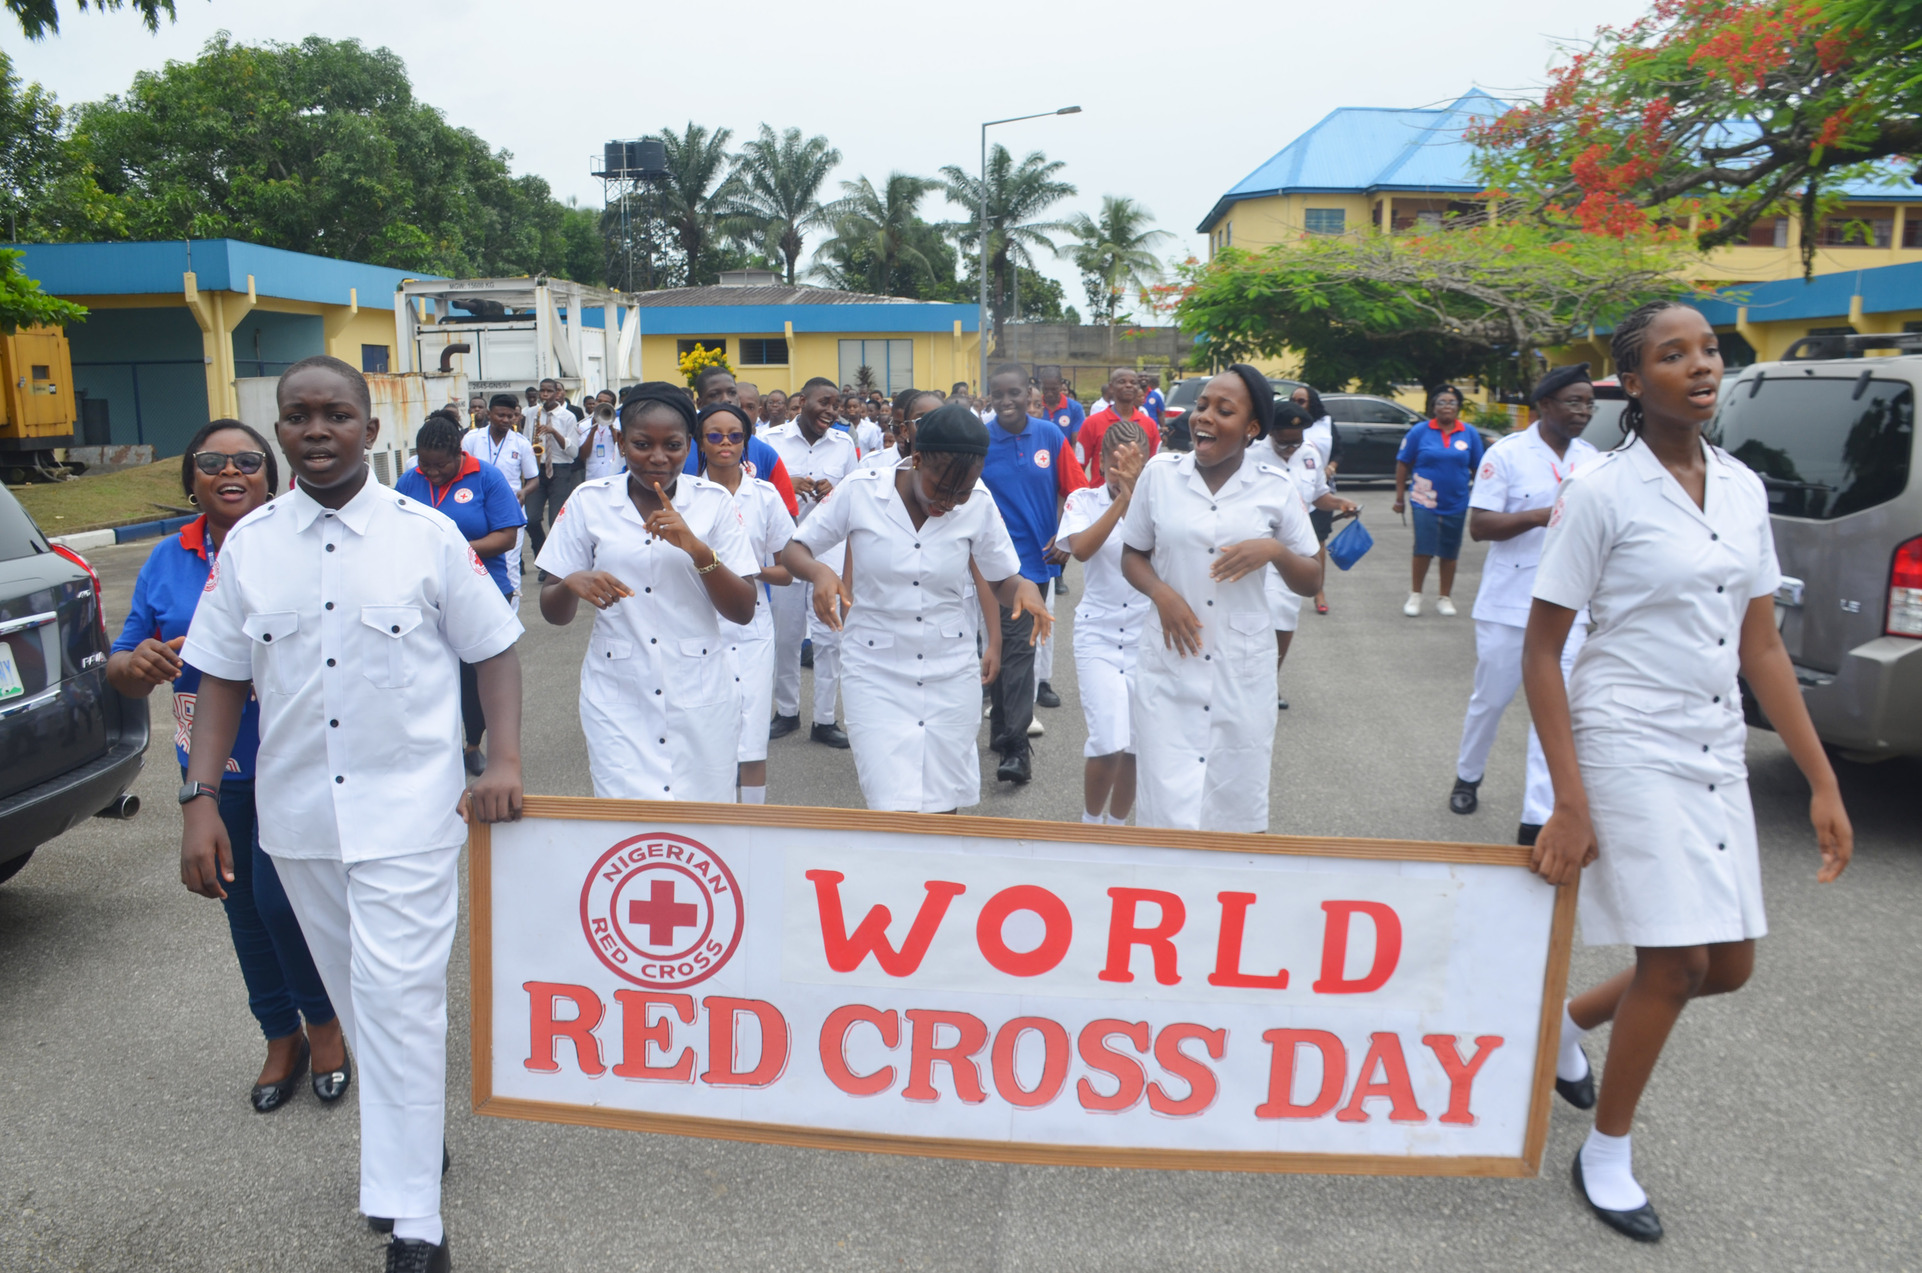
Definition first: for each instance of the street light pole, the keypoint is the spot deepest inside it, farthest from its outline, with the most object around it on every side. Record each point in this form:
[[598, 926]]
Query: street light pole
[[981, 230]]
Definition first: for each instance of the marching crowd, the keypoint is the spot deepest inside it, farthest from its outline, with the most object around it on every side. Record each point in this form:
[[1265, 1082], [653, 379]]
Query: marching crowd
[[324, 648]]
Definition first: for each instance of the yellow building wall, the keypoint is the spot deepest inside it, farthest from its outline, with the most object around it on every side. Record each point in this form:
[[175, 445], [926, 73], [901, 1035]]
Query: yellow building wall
[[939, 358]]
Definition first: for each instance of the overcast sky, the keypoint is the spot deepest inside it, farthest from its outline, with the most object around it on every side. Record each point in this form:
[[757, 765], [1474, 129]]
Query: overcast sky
[[1178, 103]]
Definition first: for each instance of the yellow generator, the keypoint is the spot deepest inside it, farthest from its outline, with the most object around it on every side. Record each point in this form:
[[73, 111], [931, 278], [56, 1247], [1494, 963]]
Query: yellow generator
[[37, 406]]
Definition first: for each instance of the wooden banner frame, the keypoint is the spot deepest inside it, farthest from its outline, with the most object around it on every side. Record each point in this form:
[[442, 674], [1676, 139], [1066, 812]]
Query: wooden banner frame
[[567, 808]]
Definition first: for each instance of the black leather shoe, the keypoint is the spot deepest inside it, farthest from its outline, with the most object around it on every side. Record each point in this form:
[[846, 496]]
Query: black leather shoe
[[1044, 696], [476, 763], [832, 735], [1578, 1092], [1015, 768], [1525, 836], [268, 1097], [1281, 704], [1061, 586], [807, 654], [1642, 1224], [783, 726], [1463, 798], [405, 1255], [331, 1085]]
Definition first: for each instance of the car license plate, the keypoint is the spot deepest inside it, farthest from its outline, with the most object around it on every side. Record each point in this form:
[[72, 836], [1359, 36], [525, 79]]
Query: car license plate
[[10, 686]]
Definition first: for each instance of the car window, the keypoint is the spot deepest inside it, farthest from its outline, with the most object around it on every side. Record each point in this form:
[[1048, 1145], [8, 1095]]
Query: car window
[[1824, 447], [1185, 392], [18, 535], [1604, 431], [1367, 411]]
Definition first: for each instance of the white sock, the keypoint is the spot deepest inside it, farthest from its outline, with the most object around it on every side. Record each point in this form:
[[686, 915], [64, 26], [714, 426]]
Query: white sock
[[1571, 1063], [1093, 819], [1607, 1174], [420, 1228], [753, 795], [1117, 822]]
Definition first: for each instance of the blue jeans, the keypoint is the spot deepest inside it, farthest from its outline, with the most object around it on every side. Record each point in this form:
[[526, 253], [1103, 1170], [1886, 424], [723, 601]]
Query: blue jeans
[[282, 983], [1438, 534]]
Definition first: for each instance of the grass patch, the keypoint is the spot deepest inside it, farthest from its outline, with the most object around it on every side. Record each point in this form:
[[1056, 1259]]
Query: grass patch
[[145, 494]]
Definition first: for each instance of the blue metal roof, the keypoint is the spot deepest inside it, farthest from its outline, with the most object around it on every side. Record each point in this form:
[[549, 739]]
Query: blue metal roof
[[219, 265], [1884, 289], [1363, 148]]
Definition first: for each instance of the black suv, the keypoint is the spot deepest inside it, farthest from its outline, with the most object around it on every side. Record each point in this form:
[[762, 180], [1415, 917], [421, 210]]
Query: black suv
[[70, 745]]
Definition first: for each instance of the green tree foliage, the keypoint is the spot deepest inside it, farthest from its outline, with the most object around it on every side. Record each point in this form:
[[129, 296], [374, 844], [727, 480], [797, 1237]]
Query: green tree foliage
[[1016, 196], [38, 17], [1376, 310], [1115, 254], [23, 304], [880, 245], [772, 196], [697, 163]]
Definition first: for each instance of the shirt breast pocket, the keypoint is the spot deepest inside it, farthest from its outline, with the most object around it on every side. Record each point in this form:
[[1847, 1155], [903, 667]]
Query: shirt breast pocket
[[1250, 629], [275, 628], [704, 677], [383, 645]]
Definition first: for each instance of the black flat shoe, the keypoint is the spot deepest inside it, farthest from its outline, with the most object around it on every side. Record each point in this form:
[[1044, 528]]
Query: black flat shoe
[[331, 1085], [475, 762], [1526, 834], [807, 654], [1044, 696], [1578, 1092], [405, 1255], [1015, 768], [268, 1097], [832, 735], [782, 726], [1281, 704], [385, 1224], [1463, 799], [1642, 1224]]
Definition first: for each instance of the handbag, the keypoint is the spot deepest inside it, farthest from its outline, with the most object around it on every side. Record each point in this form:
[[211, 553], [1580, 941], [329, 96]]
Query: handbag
[[1348, 545]]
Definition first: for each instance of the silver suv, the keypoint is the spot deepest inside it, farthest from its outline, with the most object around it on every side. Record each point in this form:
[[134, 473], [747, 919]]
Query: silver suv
[[1832, 435]]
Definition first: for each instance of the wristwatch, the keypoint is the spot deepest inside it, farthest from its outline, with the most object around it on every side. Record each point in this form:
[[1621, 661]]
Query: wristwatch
[[194, 790]]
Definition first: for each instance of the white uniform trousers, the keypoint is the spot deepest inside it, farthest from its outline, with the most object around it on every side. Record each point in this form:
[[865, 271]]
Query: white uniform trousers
[[380, 933], [1498, 675], [794, 617], [1044, 650]]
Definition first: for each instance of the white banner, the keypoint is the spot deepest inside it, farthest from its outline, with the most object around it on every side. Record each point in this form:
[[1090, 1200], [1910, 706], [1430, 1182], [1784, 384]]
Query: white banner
[[1019, 990]]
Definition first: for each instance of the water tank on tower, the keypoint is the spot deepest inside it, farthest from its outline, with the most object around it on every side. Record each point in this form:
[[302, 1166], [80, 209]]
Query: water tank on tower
[[646, 159]]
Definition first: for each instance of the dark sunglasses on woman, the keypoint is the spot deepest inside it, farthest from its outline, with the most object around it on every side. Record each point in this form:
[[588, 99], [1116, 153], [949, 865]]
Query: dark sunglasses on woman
[[733, 439], [214, 462]]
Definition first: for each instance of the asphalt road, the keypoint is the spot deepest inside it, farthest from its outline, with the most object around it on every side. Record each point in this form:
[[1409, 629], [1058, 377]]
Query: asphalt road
[[1779, 1132]]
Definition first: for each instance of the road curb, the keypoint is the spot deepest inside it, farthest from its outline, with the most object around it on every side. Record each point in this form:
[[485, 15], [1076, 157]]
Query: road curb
[[82, 540]]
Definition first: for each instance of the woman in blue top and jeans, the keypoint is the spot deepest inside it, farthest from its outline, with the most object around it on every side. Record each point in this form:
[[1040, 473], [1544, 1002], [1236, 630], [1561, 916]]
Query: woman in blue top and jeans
[[1442, 455], [228, 471]]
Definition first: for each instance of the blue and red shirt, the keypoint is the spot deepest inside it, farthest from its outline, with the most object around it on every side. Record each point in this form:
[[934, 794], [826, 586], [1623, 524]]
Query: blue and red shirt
[[761, 460], [479, 501], [1154, 404], [1029, 473], [1443, 462], [1067, 415], [165, 596]]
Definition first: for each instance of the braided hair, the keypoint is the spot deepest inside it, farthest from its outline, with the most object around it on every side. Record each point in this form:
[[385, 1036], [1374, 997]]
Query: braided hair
[[1123, 433], [439, 434], [1625, 350]]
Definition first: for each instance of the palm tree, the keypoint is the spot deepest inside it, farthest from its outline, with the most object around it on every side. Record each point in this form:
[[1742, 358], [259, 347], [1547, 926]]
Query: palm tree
[[1014, 197], [696, 160], [769, 199], [881, 226], [1113, 253]]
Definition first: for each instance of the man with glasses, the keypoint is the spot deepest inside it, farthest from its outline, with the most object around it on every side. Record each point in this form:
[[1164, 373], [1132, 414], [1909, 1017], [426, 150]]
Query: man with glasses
[[1509, 508]]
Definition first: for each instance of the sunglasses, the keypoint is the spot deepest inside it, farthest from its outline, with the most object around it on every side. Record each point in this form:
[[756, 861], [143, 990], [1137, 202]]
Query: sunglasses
[[214, 462], [735, 438]]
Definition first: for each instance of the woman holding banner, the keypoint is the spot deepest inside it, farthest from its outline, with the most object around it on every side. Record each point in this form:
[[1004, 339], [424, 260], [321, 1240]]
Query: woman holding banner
[[1667, 541], [1203, 526]]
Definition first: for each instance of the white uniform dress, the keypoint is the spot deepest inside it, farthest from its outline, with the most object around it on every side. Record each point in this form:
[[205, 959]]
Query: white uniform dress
[[911, 679], [513, 455], [1107, 627], [1653, 699], [1205, 724], [658, 700], [600, 449], [768, 526], [1306, 471], [352, 624], [1519, 473], [832, 457]]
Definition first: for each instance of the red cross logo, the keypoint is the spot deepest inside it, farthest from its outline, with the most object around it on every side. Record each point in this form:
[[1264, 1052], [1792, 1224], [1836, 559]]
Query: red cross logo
[[662, 911], [661, 914]]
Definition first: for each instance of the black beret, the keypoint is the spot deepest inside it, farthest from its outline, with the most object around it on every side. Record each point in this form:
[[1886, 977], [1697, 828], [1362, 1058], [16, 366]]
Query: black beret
[[1558, 379], [659, 392], [713, 409], [954, 427]]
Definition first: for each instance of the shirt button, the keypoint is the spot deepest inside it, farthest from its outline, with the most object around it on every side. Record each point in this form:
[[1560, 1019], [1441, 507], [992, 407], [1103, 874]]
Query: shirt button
[[1722, 845], [1714, 536], [1711, 786], [333, 724], [1716, 699], [1718, 587], [917, 583], [920, 722], [1721, 640], [664, 742], [266, 636], [1211, 603], [657, 694], [339, 778], [919, 682], [1207, 658], [667, 788], [917, 545], [330, 605], [650, 641], [330, 548], [330, 662], [1704, 746], [1204, 707], [917, 656], [647, 590], [1211, 508], [395, 628]]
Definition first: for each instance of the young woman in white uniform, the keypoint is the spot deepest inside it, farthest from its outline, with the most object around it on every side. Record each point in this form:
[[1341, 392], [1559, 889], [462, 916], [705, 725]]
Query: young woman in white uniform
[[724, 431], [663, 559], [1202, 528], [1107, 625], [1667, 542], [1303, 464], [911, 682]]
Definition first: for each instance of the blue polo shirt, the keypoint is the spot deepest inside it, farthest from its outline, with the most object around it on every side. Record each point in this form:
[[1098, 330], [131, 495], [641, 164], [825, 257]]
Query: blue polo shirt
[[1029, 473], [479, 501], [1446, 461], [1154, 404], [165, 596], [1068, 416]]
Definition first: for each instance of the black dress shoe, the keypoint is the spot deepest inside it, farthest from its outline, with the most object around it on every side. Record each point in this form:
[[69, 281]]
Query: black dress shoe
[[1642, 1224], [807, 654], [1015, 768], [476, 763], [831, 734], [1281, 704], [1044, 696], [331, 1085], [1525, 835], [1463, 798], [405, 1255], [1578, 1092], [783, 726], [1061, 586], [268, 1097]]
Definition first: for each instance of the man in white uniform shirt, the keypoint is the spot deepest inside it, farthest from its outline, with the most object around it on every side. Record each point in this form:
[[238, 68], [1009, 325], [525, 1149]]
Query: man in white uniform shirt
[[503, 445], [1514, 493], [600, 444], [555, 432], [817, 456], [349, 608]]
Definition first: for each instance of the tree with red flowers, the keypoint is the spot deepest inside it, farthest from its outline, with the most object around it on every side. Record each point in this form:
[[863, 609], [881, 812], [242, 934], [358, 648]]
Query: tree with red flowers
[[1714, 113]]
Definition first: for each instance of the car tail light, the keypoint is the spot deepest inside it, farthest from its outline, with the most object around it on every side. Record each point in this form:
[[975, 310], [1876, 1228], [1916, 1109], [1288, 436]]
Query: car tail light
[[1905, 591], [99, 602]]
